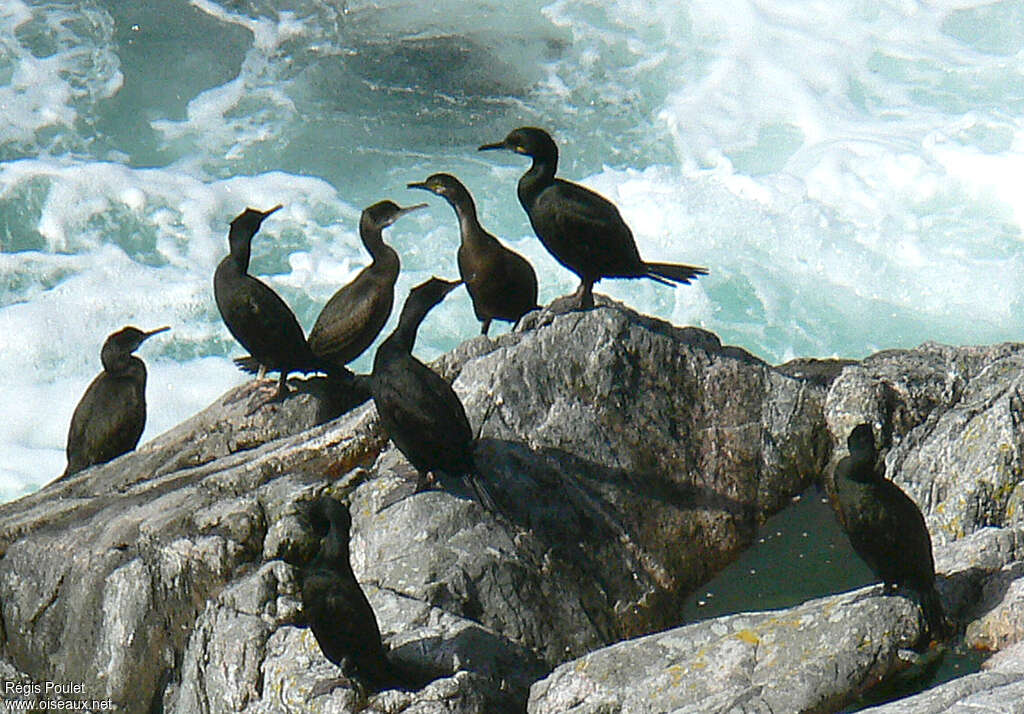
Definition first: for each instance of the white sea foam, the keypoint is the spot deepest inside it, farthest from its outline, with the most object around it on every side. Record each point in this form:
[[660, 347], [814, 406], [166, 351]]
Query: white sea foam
[[846, 171]]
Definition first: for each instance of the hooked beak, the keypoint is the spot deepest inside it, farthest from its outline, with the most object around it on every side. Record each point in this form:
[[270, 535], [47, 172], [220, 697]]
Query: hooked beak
[[401, 212], [147, 335], [452, 284], [491, 147], [410, 209]]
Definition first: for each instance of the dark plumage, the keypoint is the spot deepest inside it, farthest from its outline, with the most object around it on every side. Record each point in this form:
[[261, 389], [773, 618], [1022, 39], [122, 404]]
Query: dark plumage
[[336, 607], [255, 315], [580, 228], [111, 415], [355, 315], [501, 283], [418, 409], [886, 527]]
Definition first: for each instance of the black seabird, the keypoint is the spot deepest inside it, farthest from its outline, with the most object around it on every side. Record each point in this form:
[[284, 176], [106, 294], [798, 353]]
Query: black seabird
[[886, 527], [580, 228], [419, 410], [111, 415], [355, 315], [336, 607], [501, 283], [255, 315]]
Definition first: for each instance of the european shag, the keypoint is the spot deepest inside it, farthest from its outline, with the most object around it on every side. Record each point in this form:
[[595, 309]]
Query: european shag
[[355, 315], [581, 229], [418, 409], [111, 415], [886, 527], [501, 283], [255, 315], [336, 607]]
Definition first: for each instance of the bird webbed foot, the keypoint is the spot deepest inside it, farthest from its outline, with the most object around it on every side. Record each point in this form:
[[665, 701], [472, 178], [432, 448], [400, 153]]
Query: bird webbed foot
[[279, 395]]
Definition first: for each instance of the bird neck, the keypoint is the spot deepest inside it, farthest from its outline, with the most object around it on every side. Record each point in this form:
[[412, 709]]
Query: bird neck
[[240, 243], [540, 175], [373, 239], [470, 230], [118, 362], [863, 468], [404, 337], [334, 551]]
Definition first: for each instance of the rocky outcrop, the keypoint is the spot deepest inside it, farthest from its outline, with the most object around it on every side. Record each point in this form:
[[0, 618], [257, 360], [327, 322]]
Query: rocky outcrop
[[815, 657], [954, 419], [631, 460]]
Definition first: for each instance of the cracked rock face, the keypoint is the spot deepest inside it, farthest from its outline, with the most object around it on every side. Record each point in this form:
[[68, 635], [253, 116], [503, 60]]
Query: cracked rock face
[[631, 466], [953, 421], [632, 459], [799, 659]]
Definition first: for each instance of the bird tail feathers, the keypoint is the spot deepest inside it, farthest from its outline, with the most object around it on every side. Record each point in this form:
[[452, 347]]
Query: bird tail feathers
[[251, 365], [931, 606], [669, 273]]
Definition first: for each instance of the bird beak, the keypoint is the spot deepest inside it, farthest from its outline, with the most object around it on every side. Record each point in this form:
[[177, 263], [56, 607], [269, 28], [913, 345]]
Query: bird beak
[[418, 184], [147, 335], [491, 147], [278, 207], [452, 284], [409, 209]]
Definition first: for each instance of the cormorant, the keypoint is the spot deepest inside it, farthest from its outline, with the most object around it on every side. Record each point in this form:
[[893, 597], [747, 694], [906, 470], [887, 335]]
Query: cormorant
[[257, 316], [336, 607], [886, 527], [500, 282], [419, 410], [355, 315], [581, 229], [111, 415]]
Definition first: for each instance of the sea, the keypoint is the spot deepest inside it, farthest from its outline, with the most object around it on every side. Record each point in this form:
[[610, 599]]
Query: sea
[[848, 171]]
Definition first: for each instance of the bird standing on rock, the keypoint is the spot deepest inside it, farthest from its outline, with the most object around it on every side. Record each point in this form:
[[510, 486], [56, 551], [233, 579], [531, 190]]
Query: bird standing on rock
[[254, 314], [419, 410], [886, 527], [355, 315], [335, 606], [111, 415], [580, 228], [501, 283]]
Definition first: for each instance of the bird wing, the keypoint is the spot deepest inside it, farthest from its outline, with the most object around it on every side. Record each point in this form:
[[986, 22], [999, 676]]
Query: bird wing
[[587, 229], [424, 417], [339, 615], [264, 325], [107, 422], [352, 318]]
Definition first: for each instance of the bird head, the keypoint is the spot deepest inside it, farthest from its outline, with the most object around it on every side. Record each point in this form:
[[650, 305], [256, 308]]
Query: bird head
[[527, 140], [383, 213]]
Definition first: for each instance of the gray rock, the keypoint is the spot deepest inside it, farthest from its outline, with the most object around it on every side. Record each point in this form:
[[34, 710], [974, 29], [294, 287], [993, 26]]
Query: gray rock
[[630, 466], [997, 690], [806, 658], [953, 418]]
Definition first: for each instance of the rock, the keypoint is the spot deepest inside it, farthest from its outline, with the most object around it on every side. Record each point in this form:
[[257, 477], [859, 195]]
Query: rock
[[953, 418], [630, 466], [631, 459], [807, 658], [817, 656], [997, 690]]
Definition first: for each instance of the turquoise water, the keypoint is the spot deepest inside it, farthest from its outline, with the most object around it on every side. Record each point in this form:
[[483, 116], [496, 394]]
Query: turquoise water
[[848, 171]]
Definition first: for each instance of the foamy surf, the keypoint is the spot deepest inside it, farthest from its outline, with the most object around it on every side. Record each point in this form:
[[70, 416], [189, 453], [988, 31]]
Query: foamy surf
[[848, 173]]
